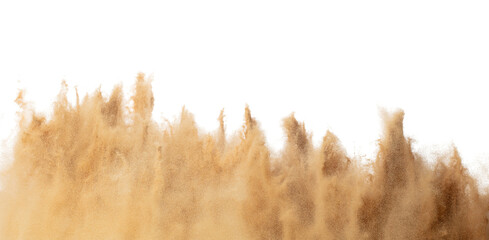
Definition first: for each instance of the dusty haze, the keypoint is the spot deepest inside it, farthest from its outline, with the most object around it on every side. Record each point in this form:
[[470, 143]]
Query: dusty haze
[[102, 168]]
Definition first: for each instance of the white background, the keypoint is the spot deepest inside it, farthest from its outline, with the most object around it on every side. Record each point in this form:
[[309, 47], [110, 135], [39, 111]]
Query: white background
[[333, 63]]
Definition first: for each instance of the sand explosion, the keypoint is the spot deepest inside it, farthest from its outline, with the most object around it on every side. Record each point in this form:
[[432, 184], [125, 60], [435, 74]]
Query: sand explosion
[[103, 169]]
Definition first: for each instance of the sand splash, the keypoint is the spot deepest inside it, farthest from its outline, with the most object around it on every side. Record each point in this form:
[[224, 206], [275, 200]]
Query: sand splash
[[104, 169]]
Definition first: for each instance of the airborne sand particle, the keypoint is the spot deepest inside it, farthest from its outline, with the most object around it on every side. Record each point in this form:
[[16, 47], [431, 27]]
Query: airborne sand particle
[[97, 171]]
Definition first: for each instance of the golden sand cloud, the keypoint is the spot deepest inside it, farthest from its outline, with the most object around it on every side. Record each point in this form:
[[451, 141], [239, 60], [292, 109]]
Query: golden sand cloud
[[104, 169]]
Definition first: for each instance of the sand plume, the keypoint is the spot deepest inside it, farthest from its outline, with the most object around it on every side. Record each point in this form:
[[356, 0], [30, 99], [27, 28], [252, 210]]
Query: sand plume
[[103, 168]]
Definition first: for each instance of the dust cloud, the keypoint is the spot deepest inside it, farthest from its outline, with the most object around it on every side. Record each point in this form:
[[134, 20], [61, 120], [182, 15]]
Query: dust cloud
[[102, 168]]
